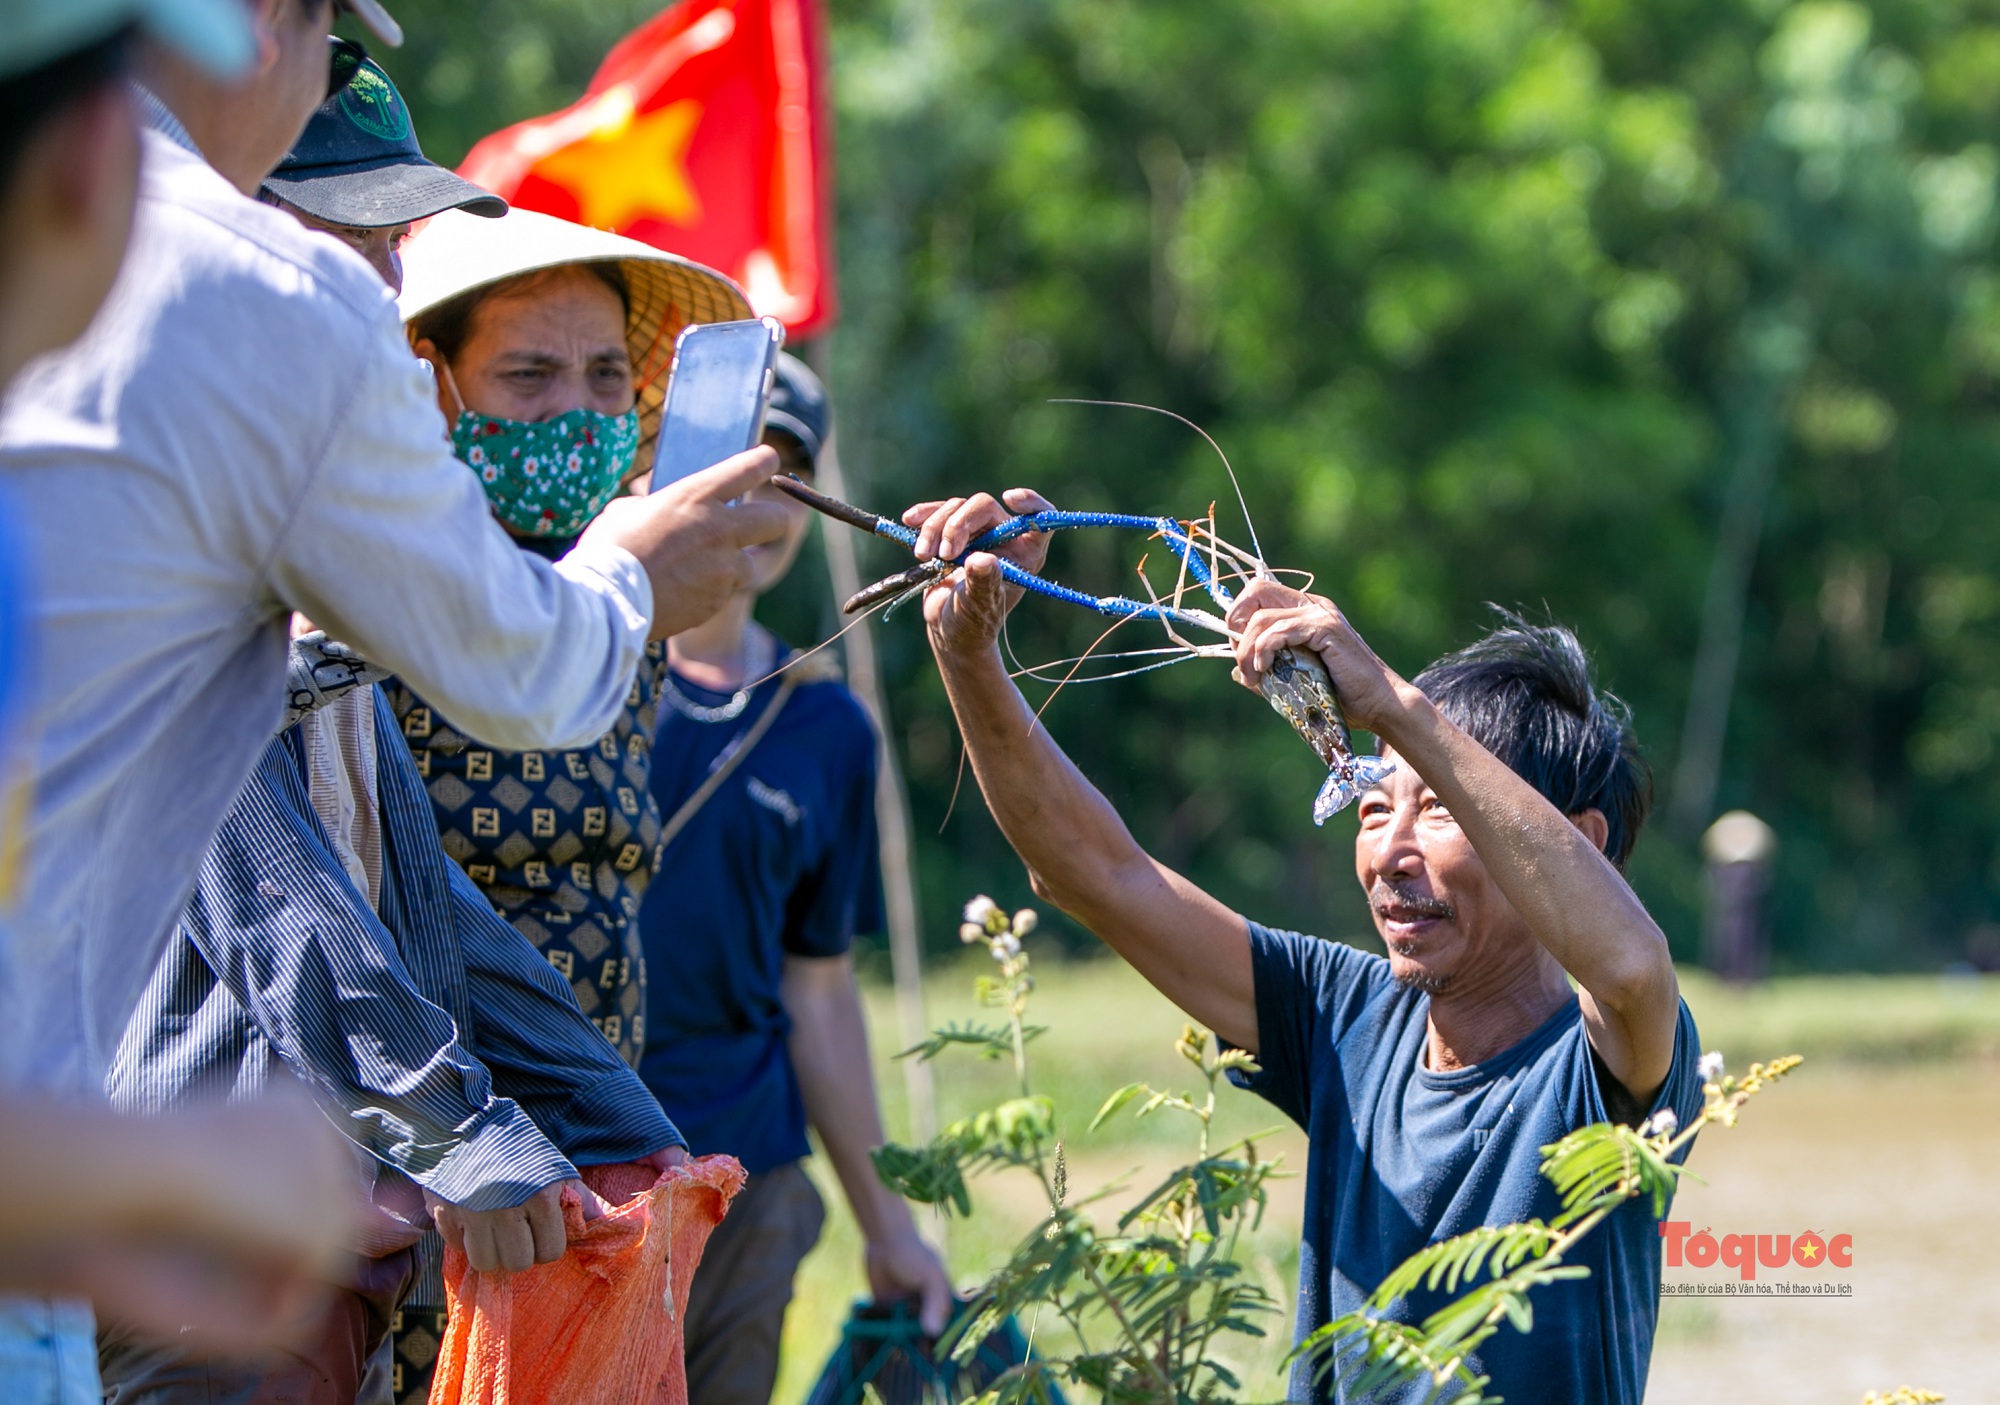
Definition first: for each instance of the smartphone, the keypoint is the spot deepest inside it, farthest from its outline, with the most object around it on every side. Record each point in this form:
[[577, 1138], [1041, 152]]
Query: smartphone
[[717, 391]]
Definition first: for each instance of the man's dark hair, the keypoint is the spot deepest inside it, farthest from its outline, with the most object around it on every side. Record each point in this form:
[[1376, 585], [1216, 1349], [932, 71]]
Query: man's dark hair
[[1524, 692], [31, 100]]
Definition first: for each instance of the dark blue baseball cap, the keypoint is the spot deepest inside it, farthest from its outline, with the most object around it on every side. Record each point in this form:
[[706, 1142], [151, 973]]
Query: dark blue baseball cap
[[798, 405], [358, 163]]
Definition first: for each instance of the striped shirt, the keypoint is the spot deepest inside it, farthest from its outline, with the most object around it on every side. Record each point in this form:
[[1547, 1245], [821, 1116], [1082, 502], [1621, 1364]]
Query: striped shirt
[[438, 1038]]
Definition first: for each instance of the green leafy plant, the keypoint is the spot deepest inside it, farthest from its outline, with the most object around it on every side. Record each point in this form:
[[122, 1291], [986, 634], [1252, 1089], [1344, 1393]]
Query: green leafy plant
[[1595, 1170], [1144, 1299], [1147, 1298]]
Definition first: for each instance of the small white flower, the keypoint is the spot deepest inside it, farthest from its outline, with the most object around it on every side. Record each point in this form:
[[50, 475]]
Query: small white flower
[[1710, 1066], [1006, 947], [1663, 1123], [1024, 921], [980, 908], [969, 932]]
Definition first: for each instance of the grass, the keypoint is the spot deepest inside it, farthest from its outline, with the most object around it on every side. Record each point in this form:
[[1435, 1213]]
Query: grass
[[1851, 1018], [1106, 1027]]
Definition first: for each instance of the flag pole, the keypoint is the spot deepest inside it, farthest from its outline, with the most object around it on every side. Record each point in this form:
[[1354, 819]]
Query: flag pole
[[892, 801]]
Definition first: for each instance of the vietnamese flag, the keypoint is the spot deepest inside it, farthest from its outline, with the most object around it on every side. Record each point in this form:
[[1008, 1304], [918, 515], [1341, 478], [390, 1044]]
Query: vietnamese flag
[[703, 134]]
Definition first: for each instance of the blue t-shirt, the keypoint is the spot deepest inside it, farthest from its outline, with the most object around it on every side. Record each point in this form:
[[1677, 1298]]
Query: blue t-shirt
[[780, 861], [1401, 1157]]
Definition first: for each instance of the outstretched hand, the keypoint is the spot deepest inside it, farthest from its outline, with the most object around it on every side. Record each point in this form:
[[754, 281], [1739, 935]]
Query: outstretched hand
[[966, 609], [1269, 616], [691, 536]]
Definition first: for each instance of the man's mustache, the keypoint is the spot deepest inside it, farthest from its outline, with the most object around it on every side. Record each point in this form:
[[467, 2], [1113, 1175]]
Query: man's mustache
[[1405, 901]]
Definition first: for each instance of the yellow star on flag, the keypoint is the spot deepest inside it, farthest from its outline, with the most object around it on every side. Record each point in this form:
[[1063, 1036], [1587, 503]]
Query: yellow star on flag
[[630, 169]]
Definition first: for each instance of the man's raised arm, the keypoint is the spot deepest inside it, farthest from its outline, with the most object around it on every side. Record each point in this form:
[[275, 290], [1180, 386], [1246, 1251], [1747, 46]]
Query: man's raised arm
[[1079, 854], [1550, 866]]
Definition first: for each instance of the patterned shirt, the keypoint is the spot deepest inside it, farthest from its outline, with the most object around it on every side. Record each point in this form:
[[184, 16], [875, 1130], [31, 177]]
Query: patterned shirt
[[562, 843]]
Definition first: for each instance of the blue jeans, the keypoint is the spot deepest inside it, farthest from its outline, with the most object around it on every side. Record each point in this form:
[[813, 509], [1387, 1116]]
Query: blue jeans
[[48, 1352]]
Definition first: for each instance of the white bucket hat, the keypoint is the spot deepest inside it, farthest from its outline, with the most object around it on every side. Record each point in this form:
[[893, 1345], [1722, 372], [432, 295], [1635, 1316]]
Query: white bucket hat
[[456, 253]]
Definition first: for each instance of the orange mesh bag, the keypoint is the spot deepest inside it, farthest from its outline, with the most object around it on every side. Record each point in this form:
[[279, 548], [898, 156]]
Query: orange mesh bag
[[602, 1324]]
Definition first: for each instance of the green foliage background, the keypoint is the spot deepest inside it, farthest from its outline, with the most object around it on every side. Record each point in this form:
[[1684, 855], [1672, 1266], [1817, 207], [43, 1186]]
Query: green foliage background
[[1483, 297]]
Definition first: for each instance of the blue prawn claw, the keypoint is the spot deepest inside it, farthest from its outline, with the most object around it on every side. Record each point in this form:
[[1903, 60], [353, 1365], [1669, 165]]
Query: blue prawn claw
[[1347, 784]]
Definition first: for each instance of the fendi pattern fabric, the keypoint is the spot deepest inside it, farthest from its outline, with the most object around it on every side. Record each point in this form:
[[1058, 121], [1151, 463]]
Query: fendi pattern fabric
[[562, 843]]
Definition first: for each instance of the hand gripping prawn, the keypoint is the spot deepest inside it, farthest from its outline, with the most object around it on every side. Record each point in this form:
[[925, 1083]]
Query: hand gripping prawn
[[1296, 685]]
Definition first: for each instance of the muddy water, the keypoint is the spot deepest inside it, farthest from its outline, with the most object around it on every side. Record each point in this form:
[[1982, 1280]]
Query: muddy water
[[1905, 1160]]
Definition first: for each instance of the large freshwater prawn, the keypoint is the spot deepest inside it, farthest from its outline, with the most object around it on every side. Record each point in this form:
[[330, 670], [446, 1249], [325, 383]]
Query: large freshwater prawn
[[1296, 685]]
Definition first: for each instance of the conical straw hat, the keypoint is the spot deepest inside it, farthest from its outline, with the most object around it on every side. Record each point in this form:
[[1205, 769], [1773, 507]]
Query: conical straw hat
[[456, 252]]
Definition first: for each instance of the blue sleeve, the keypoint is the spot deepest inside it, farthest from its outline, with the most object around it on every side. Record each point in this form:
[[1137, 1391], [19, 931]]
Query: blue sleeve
[[326, 984], [843, 896], [1309, 992], [1683, 1089], [543, 1052]]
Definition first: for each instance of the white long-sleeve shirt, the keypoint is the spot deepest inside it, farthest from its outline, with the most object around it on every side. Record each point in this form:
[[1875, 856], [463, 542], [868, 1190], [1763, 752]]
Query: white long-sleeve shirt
[[243, 432]]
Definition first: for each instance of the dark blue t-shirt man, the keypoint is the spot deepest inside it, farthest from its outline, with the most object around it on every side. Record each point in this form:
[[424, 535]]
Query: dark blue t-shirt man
[[1526, 991], [754, 1024], [780, 861], [1402, 1157]]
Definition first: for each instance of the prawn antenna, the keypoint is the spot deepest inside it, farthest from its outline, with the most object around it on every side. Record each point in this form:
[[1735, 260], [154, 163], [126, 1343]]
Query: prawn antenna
[[1242, 505]]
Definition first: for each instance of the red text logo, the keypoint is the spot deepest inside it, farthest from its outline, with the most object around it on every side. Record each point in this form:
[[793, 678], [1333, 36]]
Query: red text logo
[[1744, 1252]]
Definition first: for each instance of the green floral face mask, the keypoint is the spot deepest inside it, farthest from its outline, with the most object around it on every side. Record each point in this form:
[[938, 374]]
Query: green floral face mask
[[548, 478]]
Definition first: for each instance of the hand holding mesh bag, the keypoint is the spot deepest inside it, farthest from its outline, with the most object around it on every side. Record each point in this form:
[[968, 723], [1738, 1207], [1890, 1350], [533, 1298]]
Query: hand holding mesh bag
[[602, 1325]]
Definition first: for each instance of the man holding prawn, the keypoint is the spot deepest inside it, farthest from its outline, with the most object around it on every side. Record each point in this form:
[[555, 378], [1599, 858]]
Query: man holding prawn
[[1429, 1081]]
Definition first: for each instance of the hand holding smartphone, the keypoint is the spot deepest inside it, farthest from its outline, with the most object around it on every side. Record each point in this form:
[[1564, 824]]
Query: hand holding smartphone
[[716, 395]]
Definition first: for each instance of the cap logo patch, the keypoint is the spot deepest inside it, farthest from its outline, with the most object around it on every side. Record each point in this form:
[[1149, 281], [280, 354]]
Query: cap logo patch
[[371, 104]]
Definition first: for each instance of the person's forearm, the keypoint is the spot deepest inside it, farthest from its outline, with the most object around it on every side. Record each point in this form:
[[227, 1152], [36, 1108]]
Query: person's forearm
[[1578, 905], [256, 1179], [1063, 828], [64, 1166], [829, 1052], [415, 1096], [829, 1049], [1081, 857], [517, 652], [542, 1051]]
